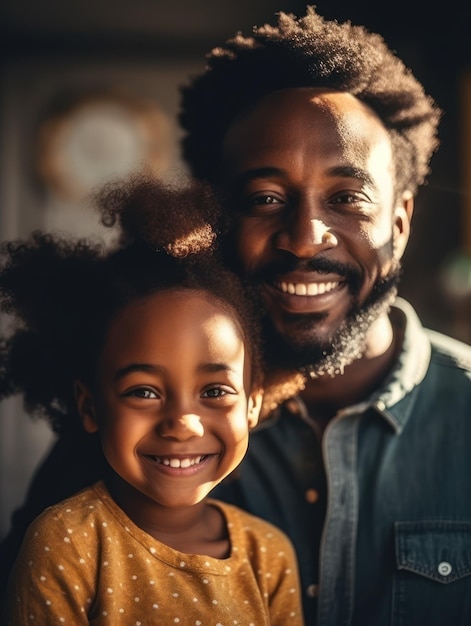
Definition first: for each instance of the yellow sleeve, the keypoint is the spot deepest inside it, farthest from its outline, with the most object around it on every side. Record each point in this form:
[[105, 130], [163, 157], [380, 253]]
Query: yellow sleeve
[[285, 602], [50, 582]]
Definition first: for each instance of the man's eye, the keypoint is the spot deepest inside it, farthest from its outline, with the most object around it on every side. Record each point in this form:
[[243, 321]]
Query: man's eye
[[265, 200], [263, 203], [351, 198]]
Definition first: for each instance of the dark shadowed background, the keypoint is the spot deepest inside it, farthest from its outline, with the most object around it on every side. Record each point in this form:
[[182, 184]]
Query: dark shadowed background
[[89, 88]]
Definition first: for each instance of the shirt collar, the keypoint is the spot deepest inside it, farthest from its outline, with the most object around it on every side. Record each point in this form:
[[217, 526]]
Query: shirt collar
[[396, 397]]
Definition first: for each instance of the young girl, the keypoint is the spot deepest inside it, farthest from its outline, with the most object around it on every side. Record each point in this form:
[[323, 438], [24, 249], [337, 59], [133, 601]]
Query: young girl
[[154, 348]]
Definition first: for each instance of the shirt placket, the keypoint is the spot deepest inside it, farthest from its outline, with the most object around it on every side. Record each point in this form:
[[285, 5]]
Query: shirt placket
[[337, 554]]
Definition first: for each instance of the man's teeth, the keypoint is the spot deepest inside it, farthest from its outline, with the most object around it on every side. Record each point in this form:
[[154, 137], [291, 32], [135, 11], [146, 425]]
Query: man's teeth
[[179, 462], [307, 289]]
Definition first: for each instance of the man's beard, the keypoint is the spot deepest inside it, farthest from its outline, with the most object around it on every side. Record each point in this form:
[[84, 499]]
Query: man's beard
[[314, 357]]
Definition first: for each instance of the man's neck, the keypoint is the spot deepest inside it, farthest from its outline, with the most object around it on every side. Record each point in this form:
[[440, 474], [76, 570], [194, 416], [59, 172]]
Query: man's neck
[[324, 396]]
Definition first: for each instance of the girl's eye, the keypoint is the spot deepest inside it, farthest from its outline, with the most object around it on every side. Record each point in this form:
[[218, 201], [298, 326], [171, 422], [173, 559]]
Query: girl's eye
[[216, 392], [143, 392]]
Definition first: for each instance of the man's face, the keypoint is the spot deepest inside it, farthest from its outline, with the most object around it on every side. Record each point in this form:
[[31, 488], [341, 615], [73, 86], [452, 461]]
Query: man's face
[[310, 176]]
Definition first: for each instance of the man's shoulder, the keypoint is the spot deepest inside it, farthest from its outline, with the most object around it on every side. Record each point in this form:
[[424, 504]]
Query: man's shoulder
[[443, 349], [449, 351]]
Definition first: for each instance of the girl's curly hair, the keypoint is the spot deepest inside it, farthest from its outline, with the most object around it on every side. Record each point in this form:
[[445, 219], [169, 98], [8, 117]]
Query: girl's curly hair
[[61, 294], [309, 52]]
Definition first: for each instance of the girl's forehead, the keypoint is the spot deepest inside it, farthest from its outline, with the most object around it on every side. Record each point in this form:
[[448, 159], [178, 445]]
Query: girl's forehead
[[176, 308], [175, 297], [176, 331]]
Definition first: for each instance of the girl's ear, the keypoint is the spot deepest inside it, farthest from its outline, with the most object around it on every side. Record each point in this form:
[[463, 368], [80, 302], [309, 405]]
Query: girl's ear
[[255, 405], [85, 407]]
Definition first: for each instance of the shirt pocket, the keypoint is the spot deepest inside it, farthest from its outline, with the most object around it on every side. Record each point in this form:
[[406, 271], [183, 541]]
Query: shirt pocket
[[432, 584]]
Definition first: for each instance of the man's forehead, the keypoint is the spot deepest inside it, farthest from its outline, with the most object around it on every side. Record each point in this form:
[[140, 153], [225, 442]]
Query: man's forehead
[[297, 97], [318, 117]]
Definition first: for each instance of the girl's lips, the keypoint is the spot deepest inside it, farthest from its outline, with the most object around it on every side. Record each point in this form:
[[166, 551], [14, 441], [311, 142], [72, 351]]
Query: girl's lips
[[185, 465], [178, 462]]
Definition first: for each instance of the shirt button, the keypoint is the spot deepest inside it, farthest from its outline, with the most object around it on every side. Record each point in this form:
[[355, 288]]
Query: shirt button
[[444, 568], [312, 591], [311, 495]]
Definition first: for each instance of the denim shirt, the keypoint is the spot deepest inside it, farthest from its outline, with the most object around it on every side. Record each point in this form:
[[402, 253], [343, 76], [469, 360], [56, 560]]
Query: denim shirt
[[395, 531]]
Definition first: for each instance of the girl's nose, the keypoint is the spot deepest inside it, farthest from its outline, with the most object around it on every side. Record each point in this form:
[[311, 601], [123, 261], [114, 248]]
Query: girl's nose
[[181, 427]]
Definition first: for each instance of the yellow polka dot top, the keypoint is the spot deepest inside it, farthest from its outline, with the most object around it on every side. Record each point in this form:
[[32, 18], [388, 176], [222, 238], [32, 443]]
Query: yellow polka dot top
[[83, 561]]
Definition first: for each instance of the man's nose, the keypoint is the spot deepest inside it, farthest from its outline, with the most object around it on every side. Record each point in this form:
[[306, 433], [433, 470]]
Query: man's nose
[[180, 426], [305, 233]]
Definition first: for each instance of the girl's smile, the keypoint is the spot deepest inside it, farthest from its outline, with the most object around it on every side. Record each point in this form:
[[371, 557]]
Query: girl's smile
[[172, 397]]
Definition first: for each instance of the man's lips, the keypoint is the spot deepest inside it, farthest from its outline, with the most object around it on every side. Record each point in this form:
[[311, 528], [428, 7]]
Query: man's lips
[[307, 288], [303, 295]]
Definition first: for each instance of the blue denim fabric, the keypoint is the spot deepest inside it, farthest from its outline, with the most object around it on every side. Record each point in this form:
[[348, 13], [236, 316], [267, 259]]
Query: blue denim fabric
[[395, 544]]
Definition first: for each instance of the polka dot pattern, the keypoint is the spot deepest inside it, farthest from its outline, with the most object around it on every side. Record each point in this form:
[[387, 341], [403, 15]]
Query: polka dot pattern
[[84, 560]]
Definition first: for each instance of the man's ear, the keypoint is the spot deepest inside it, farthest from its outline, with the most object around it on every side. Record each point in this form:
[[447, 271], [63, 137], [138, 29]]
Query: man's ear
[[85, 407], [255, 405], [403, 212]]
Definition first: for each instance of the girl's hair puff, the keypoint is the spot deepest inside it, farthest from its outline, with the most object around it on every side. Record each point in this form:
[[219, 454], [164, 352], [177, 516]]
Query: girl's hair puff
[[62, 294]]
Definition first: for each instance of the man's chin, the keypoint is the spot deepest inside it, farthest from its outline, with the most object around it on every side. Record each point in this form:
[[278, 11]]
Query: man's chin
[[297, 349], [304, 349]]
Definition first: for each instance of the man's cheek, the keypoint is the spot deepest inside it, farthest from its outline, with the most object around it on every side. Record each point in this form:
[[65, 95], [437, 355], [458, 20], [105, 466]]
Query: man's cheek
[[247, 251]]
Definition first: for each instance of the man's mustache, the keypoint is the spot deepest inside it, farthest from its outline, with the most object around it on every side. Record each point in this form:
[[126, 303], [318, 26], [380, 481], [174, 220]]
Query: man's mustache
[[272, 270]]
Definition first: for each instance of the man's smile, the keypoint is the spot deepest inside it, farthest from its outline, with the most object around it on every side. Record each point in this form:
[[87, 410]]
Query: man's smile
[[306, 288], [306, 295]]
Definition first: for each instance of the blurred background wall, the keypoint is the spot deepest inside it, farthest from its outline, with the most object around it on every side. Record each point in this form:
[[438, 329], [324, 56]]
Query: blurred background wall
[[89, 88]]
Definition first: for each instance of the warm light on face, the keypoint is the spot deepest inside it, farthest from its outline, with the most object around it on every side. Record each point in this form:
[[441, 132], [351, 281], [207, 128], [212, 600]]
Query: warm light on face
[[172, 409], [302, 158]]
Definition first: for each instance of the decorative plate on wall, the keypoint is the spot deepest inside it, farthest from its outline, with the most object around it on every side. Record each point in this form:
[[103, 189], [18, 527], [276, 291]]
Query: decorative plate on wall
[[96, 137]]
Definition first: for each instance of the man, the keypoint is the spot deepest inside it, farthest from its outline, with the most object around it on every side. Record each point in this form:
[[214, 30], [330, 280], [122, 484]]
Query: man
[[318, 138]]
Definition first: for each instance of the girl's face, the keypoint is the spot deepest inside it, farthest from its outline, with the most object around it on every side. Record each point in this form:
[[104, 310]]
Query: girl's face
[[173, 402]]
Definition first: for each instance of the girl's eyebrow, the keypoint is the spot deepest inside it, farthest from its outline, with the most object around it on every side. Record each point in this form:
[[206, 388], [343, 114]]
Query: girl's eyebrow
[[139, 367], [216, 367], [160, 369]]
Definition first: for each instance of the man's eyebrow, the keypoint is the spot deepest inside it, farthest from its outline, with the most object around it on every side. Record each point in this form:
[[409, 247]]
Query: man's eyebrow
[[351, 171], [344, 171], [257, 172]]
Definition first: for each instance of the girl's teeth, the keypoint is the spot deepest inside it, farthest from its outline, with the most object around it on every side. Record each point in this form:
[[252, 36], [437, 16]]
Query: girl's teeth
[[179, 462]]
